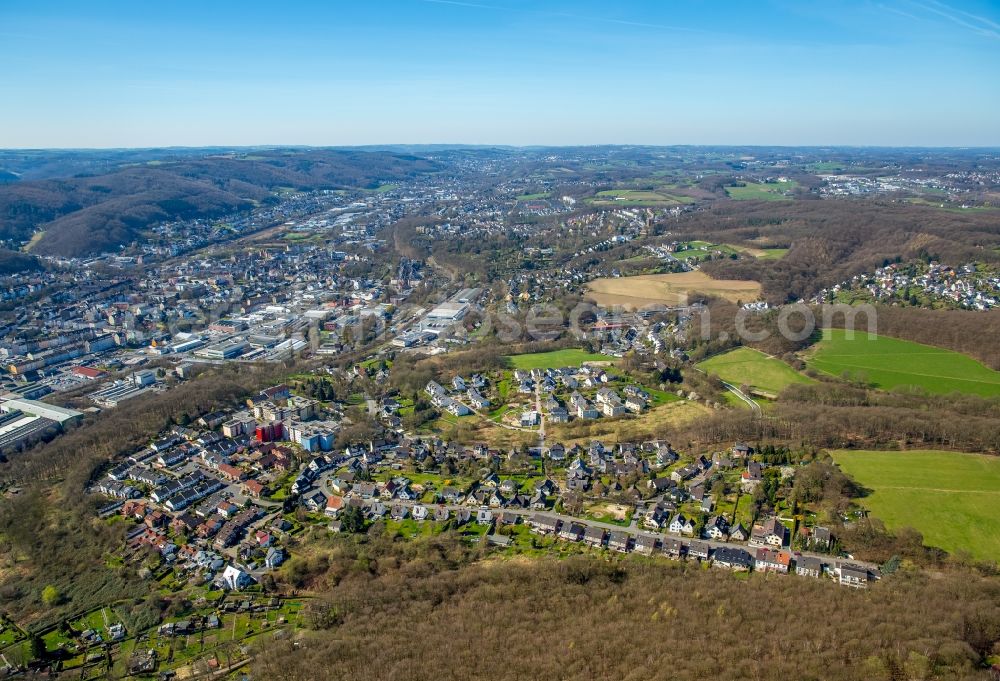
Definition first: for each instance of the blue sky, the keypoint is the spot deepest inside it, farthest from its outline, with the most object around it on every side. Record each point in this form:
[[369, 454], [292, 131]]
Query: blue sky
[[897, 72]]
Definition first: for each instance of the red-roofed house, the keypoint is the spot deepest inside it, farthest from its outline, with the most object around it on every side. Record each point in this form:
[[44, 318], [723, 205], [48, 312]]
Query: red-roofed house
[[254, 488], [89, 372], [333, 505], [231, 472]]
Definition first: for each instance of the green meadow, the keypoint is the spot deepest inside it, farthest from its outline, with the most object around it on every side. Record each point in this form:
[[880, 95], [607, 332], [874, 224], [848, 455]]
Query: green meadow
[[889, 363], [570, 357], [754, 368], [760, 191], [637, 197], [950, 497]]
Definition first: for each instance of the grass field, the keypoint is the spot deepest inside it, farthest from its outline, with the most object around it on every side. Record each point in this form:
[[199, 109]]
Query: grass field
[[754, 368], [668, 289], [703, 249], [889, 363], [637, 197], [571, 357], [675, 413], [762, 253], [756, 191], [949, 497]]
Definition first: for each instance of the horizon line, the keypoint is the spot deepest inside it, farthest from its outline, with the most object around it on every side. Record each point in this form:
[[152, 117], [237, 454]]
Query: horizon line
[[487, 145]]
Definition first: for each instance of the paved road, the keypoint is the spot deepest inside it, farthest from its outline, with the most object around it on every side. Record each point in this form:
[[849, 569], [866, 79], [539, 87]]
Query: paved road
[[493, 421], [740, 394], [632, 529], [541, 418]]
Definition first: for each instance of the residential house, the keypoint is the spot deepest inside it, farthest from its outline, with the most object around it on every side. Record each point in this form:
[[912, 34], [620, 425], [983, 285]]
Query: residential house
[[821, 537], [594, 536], [572, 532], [620, 541], [699, 550], [751, 478], [852, 575], [613, 409], [646, 543], [544, 524], [681, 525], [716, 528], [738, 533], [769, 533], [334, 505], [808, 566], [315, 502], [673, 548], [733, 558], [772, 560]]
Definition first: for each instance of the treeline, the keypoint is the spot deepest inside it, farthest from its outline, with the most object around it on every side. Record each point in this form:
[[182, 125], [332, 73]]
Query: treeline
[[587, 617], [972, 332], [717, 330], [832, 240], [975, 333], [849, 426]]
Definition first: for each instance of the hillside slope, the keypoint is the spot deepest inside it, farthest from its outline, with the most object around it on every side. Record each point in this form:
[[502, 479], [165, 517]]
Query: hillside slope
[[94, 213]]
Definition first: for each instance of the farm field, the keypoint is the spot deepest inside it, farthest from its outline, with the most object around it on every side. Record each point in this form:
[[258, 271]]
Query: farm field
[[757, 191], [703, 249], [667, 289], [754, 368], [950, 497], [571, 357], [761, 253], [637, 197], [890, 363]]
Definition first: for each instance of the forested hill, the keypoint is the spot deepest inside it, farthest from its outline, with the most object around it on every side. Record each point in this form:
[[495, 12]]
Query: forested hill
[[13, 261], [91, 213]]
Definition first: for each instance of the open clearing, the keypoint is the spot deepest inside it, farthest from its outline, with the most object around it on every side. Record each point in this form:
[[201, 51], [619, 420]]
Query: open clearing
[[951, 498], [753, 368], [637, 197], [759, 191], [890, 363], [761, 253], [645, 426], [668, 289], [555, 359]]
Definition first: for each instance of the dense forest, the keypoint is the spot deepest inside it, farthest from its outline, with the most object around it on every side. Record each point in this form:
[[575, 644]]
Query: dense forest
[[829, 415], [586, 617], [831, 241], [13, 261]]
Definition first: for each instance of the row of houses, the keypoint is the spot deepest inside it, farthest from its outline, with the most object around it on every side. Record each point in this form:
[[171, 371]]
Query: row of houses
[[759, 559]]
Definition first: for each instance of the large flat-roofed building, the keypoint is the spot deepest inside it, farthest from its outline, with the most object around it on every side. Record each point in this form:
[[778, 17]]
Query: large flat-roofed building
[[449, 311], [223, 350], [13, 402], [17, 427], [113, 394], [411, 338]]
